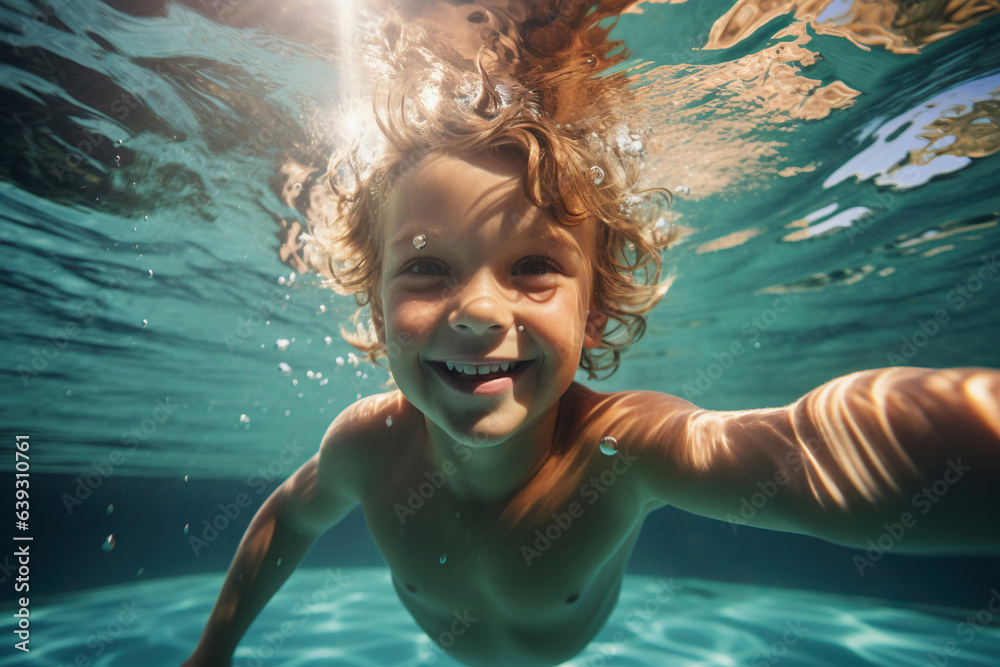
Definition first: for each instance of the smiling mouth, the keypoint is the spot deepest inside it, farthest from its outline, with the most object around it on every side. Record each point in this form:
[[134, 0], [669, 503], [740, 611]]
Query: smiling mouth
[[460, 372]]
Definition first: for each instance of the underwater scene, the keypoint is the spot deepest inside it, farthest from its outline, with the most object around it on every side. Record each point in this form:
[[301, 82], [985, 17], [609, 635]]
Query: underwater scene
[[171, 355]]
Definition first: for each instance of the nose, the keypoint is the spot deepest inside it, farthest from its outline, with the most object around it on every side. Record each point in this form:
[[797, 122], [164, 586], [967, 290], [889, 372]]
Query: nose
[[481, 307]]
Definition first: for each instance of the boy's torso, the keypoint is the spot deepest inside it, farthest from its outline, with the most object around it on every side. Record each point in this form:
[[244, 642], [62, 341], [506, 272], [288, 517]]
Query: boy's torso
[[536, 593]]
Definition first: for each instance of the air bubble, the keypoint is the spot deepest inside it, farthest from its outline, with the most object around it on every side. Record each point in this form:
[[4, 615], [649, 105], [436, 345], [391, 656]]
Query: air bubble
[[111, 508], [340, 361], [244, 419], [297, 187], [327, 340], [596, 175], [187, 528], [388, 421], [443, 558], [149, 273], [419, 241], [609, 445], [109, 543], [282, 344], [520, 327], [285, 368], [144, 323]]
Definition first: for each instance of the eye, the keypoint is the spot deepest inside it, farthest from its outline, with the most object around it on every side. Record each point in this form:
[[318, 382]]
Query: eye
[[424, 266], [537, 265]]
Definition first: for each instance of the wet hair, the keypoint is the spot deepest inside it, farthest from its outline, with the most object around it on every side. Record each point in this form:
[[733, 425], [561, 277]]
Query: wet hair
[[532, 92]]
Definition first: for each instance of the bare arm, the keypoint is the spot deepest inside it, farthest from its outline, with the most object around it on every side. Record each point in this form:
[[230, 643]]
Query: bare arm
[[285, 528], [909, 446]]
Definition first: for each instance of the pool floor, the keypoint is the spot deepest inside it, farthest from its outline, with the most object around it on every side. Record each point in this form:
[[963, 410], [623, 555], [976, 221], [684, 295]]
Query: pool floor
[[351, 616]]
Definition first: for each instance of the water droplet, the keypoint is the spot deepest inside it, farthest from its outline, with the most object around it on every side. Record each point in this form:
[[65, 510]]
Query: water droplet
[[443, 558], [144, 323], [111, 508], [327, 340], [109, 543], [285, 368], [187, 528], [149, 273], [419, 241], [596, 175], [282, 344], [388, 421], [609, 445]]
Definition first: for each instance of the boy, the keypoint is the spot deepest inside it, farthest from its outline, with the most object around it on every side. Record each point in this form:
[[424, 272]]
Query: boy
[[488, 241]]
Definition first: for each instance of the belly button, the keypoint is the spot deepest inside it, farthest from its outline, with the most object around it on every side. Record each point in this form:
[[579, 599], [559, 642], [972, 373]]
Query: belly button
[[572, 598]]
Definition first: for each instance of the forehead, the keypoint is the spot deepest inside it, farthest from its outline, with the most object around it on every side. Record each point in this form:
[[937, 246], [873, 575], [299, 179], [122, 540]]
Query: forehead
[[446, 195]]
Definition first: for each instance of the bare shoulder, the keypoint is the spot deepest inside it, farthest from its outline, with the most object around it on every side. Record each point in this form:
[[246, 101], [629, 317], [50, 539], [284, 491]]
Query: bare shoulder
[[647, 426], [634, 417]]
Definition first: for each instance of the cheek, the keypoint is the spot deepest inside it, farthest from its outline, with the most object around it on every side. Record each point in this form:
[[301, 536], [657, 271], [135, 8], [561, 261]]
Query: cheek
[[406, 315]]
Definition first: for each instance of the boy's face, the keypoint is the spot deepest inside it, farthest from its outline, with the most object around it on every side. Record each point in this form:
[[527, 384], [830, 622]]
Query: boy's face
[[496, 279]]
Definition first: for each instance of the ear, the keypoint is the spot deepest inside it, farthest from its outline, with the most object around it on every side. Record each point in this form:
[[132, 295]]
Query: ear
[[593, 331]]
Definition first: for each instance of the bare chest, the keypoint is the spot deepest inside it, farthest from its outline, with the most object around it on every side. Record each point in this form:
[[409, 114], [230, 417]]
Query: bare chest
[[447, 554]]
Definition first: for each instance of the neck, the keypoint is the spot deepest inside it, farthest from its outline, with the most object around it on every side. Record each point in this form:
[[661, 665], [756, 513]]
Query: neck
[[496, 472]]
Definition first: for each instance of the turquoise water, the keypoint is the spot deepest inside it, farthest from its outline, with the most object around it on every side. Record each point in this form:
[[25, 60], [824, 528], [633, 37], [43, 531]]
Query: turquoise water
[[145, 301], [352, 617]]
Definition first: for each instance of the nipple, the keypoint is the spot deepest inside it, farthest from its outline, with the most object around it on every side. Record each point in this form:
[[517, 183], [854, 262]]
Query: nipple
[[419, 241], [609, 445]]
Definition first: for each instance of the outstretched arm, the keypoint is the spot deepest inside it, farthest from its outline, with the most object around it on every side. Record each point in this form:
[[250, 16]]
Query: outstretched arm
[[916, 450], [281, 534]]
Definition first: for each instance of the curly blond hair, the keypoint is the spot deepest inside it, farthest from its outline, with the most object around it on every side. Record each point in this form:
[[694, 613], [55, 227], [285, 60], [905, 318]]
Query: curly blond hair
[[538, 97]]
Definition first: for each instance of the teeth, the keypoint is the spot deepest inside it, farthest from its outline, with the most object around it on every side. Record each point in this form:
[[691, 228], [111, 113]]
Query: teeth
[[469, 369]]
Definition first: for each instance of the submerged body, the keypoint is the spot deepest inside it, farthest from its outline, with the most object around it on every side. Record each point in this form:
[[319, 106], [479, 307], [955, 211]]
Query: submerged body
[[505, 525], [487, 593]]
